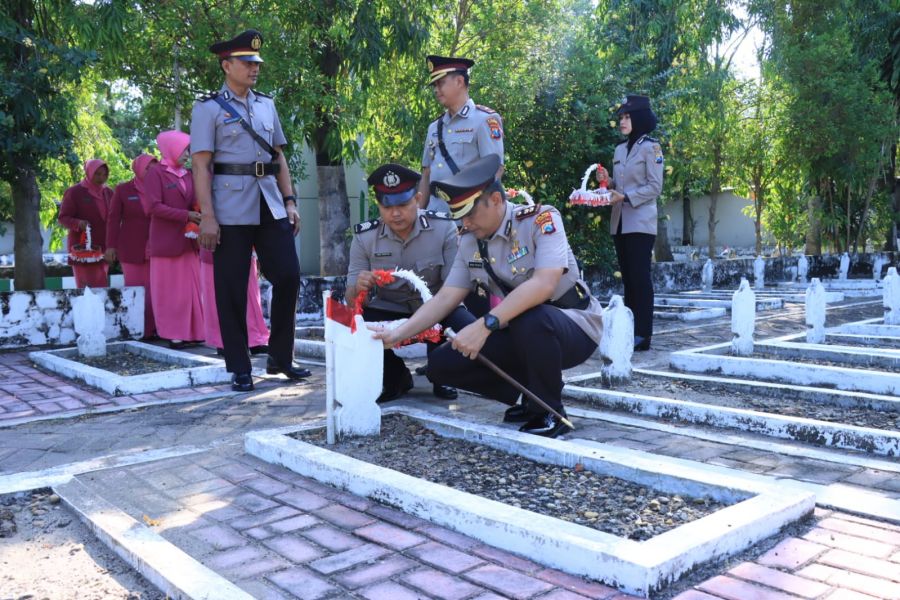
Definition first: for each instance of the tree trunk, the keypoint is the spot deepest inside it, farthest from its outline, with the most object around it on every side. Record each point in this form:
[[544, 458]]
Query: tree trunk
[[334, 220], [687, 220], [758, 207], [29, 269], [714, 190], [894, 230], [814, 233]]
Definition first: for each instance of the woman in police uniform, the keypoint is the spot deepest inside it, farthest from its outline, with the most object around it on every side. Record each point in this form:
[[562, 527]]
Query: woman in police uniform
[[634, 188]]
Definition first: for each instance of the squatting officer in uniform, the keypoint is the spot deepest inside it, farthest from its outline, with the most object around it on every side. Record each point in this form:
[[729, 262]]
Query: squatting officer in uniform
[[405, 237], [244, 189], [547, 320], [463, 133]]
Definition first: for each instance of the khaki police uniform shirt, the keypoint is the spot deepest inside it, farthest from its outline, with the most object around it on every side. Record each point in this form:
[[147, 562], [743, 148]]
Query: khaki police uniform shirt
[[235, 198], [640, 175], [470, 134], [529, 238], [428, 251]]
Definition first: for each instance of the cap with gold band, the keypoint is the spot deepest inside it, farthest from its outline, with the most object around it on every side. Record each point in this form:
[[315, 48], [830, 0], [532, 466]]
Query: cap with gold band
[[440, 66], [244, 46], [394, 184], [462, 190]]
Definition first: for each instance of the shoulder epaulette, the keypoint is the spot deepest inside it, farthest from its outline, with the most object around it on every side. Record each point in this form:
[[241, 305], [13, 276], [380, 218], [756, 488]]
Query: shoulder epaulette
[[526, 211], [366, 226], [647, 138], [433, 214], [258, 93], [209, 96], [486, 109]]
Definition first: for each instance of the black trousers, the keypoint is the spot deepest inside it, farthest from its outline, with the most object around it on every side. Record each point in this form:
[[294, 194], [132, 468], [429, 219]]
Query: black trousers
[[534, 349], [394, 367], [634, 251], [273, 241]]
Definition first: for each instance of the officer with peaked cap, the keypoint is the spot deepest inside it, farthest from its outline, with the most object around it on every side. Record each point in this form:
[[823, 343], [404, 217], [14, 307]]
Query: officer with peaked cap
[[547, 320], [244, 189], [463, 133], [404, 237]]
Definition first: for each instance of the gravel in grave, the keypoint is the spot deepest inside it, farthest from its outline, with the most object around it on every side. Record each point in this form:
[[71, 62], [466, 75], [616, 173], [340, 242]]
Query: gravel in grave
[[126, 363], [47, 553], [783, 403], [605, 503]]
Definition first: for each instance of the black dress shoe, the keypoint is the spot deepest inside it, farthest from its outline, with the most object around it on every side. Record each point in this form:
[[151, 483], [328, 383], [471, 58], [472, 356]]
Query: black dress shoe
[[396, 390], [445, 391], [641, 344], [293, 373], [546, 425], [422, 370], [242, 382], [519, 413], [259, 349]]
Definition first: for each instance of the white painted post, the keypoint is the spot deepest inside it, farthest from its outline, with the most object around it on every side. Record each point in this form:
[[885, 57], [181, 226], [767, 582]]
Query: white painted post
[[616, 342], [845, 267], [89, 316], [815, 312], [759, 273], [802, 268], [329, 372], [891, 296], [354, 363], [743, 319], [706, 277], [877, 266]]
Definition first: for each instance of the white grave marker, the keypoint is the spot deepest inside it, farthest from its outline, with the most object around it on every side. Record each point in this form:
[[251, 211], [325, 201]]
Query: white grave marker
[[706, 277], [354, 363], [845, 267], [891, 297], [759, 273], [89, 316], [815, 312], [617, 341], [743, 319], [877, 267], [802, 268]]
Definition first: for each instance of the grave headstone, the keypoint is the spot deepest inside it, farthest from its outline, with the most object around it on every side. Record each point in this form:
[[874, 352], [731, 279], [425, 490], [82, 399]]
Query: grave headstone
[[617, 342], [845, 267], [891, 296], [877, 267], [354, 363], [743, 319], [89, 318], [802, 268], [706, 277], [759, 273], [815, 312]]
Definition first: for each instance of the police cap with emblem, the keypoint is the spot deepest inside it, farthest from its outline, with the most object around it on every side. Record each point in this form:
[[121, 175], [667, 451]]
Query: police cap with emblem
[[633, 103], [394, 184], [439, 66], [244, 46], [462, 190]]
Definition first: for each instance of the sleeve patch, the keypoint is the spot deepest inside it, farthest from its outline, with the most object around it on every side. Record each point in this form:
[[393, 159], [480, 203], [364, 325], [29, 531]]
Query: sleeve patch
[[496, 129], [657, 153], [545, 222], [526, 211]]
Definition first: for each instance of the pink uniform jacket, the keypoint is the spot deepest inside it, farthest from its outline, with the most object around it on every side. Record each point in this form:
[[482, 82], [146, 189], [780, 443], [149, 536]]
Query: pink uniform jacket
[[128, 226], [168, 206]]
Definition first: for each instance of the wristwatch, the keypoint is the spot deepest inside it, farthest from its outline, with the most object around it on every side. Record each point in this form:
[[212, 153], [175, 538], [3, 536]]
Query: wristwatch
[[491, 322]]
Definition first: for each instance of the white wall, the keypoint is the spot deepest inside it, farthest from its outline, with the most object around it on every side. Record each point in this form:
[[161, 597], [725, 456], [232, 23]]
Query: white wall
[[733, 228], [7, 240]]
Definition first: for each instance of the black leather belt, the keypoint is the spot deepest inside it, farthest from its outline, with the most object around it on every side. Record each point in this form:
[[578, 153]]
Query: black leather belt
[[256, 169]]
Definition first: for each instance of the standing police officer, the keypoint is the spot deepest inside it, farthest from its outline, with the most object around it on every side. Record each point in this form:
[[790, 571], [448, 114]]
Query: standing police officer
[[463, 133], [547, 320], [244, 189], [404, 237]]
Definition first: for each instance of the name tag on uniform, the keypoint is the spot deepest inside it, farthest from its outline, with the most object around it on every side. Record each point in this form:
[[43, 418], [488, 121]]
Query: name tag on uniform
[[171, 186], [476, 264], [617, 162], [380, 254], [134, 197]]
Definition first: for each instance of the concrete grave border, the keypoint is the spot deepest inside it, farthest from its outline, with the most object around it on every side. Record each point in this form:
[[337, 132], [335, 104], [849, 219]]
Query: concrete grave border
[[762, 509], [198, 370], [699, 301], [698, 314]]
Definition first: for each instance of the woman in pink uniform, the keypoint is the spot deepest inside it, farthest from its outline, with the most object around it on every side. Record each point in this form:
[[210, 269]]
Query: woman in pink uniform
[[127, 230], [257, 331], [87, 203], [174, 263]]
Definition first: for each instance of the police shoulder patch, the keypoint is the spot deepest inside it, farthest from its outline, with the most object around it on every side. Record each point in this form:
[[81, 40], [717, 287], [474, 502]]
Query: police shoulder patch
[[434, 214], [207, 97], [366, 226], [486, 109], [526, 211]]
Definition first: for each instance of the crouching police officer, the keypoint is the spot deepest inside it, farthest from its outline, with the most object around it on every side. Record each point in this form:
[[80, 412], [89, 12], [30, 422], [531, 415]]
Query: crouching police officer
[[404, 237], [243, 186], [547, 320]]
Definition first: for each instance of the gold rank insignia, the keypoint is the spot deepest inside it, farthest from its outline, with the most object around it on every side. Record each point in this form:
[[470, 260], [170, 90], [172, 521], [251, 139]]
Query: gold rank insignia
[[442, 195], [430, 66], [256, 42]]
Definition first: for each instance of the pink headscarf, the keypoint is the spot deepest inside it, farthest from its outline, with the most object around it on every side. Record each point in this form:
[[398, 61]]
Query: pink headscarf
[[139, 166], [171, 145], [96, 191]]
